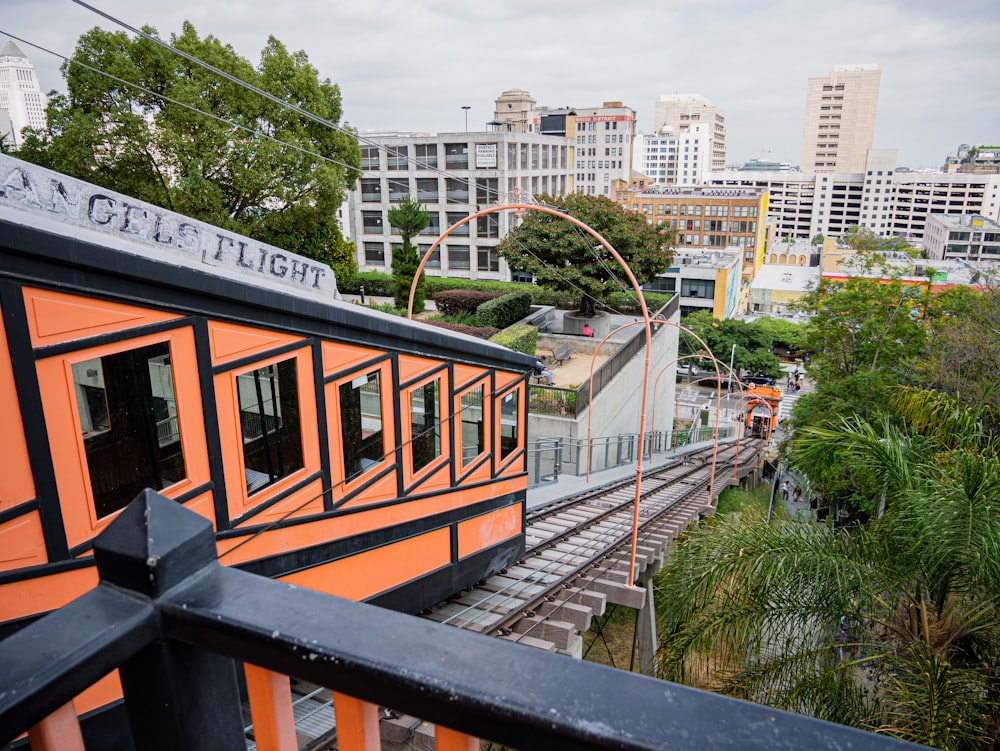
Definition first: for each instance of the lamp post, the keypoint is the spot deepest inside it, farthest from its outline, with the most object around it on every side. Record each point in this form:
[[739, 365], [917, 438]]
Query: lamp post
[[732, 359], [466, 107]]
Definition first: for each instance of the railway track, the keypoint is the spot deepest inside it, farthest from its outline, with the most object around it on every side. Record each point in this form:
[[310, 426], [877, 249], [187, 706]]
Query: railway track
[[576, 562], [577, 555]]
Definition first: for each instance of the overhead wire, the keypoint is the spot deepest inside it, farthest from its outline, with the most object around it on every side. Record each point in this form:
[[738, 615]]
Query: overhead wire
[[276, 100]]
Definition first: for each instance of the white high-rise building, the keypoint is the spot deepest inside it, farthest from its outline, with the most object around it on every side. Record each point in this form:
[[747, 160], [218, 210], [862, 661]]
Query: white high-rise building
[[684, 111], [22, 103], [671, 158]]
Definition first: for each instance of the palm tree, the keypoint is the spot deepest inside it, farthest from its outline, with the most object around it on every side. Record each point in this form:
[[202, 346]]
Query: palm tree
[[893, 625]]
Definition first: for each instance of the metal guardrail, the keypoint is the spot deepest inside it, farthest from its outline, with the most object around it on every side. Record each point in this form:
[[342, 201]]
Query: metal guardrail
[[176, 624], [548, 458]]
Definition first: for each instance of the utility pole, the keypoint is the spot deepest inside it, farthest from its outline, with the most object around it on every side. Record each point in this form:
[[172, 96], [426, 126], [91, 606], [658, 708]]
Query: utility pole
[[732, 359]]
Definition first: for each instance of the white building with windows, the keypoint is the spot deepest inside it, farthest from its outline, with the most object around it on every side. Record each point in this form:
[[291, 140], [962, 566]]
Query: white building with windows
[[883, 198], [453, 175], [22, 103], [683, 112], [968, 237], [675, 158]]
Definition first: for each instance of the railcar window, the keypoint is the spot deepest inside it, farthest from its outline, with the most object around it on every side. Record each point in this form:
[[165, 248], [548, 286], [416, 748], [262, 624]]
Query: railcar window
[[361, 423], [425, 424], [472, 424], [269, 419], [128, 416], [508, 424]]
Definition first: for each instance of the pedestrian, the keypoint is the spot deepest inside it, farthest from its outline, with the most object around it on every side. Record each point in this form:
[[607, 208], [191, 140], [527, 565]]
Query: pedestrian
[[542, 369], [784, 490], [587, 331], [797, 494]]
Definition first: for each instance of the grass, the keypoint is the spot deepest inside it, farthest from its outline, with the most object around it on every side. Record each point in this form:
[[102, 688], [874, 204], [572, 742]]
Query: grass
[[609, 640], [735, 499]]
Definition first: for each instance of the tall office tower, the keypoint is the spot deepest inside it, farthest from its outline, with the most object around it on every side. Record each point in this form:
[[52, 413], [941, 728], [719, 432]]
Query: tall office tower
[[840, 119], [681, 111], [22, 103]]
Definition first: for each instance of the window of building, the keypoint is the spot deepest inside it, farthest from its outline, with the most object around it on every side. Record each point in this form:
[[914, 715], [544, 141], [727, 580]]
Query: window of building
[[128, 416], [456, 155], [457, 190], [269, 418], [361, 423], [371, 190], [488, 226], [397, 157], [453, 217], [473, 439], [399, 189], [700, 288], [427, 189], [487, 191], [375, 253], [509, 432], [458, 256], [427, 155], [433, 224], [371, 222], [425, 424], [370, 157], [435, 259], [488, 259]]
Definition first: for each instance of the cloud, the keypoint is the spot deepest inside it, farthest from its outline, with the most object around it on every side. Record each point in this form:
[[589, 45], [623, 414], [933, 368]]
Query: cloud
[[413, 64]]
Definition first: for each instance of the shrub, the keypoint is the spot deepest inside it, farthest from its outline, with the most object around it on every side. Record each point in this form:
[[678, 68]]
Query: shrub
[[520, 338], [505, 311], [480, 332], [454, 302], [374, 282]]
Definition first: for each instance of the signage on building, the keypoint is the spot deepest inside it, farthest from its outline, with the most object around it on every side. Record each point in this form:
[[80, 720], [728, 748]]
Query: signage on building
[[602, 118], [486, 156], [140, 228]]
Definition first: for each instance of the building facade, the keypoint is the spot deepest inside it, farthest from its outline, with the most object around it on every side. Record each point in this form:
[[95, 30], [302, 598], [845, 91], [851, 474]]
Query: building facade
[[671, 158], [968, 237], [705, 280], [682, 111], [890, 202], [453, 175], [705, 218], [22, 103], [840, 119]]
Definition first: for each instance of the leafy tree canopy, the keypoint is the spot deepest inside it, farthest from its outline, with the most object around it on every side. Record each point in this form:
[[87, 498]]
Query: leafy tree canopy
[[563, 256], [863, 239], [754, 341], [139, 143], [893, 626]]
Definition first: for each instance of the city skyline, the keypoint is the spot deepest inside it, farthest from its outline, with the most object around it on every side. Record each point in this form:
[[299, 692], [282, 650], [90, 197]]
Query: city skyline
[[414, 66]]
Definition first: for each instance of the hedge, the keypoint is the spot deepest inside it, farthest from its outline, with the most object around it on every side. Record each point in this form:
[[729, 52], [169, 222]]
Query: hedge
[[453, 302], [505, 311], [480, 332], [520, 338]]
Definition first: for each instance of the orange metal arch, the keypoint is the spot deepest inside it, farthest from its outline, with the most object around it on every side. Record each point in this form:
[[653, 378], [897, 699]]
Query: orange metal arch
[[520, 208]]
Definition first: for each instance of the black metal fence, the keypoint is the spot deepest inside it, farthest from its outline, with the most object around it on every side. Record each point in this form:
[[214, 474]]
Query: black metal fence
[[177, 624]]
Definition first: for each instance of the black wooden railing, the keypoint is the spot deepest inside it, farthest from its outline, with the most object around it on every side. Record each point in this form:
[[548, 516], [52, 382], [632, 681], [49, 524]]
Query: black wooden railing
[[175, 623]]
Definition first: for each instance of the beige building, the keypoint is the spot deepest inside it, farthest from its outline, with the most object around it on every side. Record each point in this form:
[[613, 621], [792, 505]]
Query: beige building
[[703, 217], [681, 111], [968, 236], [840, 119]]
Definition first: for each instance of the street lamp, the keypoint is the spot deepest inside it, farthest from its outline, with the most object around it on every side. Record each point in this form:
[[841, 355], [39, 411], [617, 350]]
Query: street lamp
[[466, 107]]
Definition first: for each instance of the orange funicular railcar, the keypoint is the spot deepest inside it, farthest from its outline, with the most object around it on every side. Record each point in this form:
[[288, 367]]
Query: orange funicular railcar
[[331, 446]]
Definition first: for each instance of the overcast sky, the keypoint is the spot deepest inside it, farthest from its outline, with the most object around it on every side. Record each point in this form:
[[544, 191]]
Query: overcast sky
[[412, 64]]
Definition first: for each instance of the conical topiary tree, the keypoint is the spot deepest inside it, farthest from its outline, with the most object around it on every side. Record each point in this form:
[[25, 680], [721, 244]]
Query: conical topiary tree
[[408, 218]]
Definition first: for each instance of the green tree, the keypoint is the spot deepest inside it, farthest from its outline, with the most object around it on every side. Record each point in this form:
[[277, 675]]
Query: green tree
[[753, 341], [408, 218], [562, 256], [231, 175], [893, 626]]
